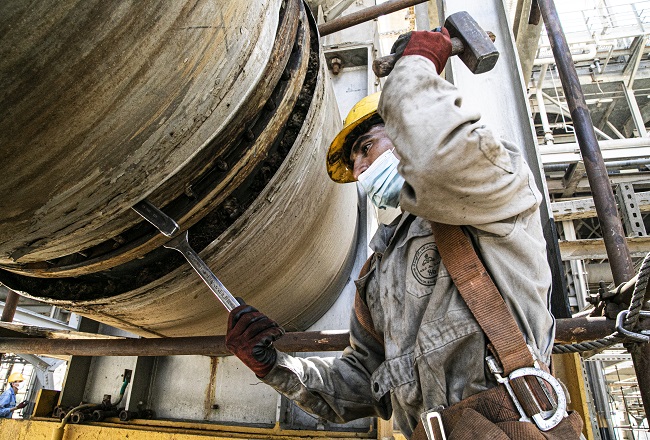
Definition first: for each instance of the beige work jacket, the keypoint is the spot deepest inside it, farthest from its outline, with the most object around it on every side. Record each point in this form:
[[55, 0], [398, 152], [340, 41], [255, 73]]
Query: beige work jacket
[[433, 350]]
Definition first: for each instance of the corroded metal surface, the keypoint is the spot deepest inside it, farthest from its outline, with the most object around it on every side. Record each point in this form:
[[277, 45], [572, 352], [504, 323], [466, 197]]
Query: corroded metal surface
[[165, 95], [236, 157]]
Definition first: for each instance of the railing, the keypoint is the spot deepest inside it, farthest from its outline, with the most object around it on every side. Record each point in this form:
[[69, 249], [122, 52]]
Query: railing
[[606, 27]]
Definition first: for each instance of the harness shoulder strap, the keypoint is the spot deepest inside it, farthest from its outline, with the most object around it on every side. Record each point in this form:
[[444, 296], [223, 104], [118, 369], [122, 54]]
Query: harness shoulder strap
[[482, 297]]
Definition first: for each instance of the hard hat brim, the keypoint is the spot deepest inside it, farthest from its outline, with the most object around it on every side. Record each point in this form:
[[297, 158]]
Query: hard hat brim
[[15, 377], [341, 146]]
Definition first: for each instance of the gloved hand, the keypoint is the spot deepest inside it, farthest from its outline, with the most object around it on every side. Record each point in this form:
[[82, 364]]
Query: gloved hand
[[250, 337], [434, 45], [21, 405]]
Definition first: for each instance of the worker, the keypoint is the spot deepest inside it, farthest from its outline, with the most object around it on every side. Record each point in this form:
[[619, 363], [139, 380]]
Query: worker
[[416, 145], [8, 397]]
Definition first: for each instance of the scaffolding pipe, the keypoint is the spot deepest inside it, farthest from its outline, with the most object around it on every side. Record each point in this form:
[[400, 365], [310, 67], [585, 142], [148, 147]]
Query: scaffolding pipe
[[195, 345], [569, 330], [364, 15], [618, 253], [11, 304], [613, 165], [548, 132], [614, 144], [613, 234], [566, 111], [9, 310]]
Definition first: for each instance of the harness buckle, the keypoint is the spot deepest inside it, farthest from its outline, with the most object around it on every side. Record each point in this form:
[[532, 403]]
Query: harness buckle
[[544, 420], [432, 422]]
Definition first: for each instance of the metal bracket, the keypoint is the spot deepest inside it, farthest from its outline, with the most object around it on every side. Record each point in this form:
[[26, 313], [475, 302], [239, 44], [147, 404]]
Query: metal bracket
[[643, 336]]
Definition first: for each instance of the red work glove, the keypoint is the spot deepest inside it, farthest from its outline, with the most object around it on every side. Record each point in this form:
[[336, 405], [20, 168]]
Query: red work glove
[[250, 337], [21, 405], [434, 45]]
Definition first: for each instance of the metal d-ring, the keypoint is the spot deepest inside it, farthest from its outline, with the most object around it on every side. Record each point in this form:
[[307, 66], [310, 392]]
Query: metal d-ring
[[545, 420]]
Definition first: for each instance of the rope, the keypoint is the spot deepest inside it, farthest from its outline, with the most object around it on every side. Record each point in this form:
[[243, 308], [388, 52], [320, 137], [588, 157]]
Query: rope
[[630, 322], [598, 344], [638, 297]]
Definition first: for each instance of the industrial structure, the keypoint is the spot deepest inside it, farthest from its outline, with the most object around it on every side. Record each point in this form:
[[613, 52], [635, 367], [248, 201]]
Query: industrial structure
[[220, 113]]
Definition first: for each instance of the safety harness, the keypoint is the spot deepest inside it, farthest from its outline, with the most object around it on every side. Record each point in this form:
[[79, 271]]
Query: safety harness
[[527, 392]]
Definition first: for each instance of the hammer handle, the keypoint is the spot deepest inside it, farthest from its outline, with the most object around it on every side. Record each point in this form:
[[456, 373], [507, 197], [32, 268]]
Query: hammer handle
[[384, 65]]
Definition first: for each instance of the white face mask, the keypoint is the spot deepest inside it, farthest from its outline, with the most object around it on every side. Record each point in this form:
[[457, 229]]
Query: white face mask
[[382, 182]]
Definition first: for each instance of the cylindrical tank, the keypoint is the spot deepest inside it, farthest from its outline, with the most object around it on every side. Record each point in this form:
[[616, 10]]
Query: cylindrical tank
[[219, 112]]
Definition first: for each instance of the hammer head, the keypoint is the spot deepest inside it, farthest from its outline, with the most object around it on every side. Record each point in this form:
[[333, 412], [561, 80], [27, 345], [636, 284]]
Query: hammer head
[[479, 52]]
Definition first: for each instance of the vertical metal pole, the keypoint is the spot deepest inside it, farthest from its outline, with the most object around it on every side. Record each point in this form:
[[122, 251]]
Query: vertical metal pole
[[613, 235], [637, 117], [611, 227], [11, 304], [601, 402]]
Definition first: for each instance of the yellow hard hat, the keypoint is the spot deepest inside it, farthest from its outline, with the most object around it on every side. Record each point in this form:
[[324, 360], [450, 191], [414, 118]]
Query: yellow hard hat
[[339, 167], [15, 377]]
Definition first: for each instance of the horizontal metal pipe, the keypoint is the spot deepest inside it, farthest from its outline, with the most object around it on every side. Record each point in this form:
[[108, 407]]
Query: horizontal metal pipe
[[198, 345], [586, 328], [614, 144], [568, 331], [613, 165], [588, 56], [364, 15]]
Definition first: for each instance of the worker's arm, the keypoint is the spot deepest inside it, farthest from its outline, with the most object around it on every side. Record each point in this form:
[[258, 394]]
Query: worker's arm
[[456, 171], [336, 389], [6, 404]]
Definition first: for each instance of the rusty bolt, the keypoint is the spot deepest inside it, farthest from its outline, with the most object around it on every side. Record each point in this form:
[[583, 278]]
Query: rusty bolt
[[231, 207], [222, 165], [189, 191], [119, 240], [335, 63]]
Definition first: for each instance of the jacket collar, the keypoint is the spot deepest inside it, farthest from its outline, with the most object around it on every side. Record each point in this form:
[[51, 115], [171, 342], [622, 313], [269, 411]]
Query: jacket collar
[[385, 233]]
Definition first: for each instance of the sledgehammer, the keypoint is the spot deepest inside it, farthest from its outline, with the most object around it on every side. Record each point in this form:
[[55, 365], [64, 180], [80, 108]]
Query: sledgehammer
[[474, 46], [168, 227]]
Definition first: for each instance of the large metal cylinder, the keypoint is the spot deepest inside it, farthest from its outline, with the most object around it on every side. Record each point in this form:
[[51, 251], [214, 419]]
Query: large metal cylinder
[[219, 112]]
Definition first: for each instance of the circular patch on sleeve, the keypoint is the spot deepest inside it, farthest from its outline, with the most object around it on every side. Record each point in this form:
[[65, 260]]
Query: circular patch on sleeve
[[425, 264]]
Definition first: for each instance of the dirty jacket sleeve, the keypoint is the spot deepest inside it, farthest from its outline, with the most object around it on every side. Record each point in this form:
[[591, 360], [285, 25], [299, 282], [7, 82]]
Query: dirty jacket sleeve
[[336, 389], [447, 157]]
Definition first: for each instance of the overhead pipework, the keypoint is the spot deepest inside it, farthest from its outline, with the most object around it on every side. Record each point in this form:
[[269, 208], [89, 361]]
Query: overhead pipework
[[219, 113]]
